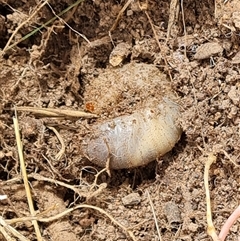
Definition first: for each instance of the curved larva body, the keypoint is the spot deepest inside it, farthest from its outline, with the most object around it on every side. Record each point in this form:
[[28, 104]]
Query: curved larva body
[[136, 139]]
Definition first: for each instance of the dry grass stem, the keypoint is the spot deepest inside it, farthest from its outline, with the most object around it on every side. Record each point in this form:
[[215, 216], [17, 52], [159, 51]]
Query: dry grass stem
[[57, 113], [69, 210], [25, 178], [62, 150], [154, 216], [120, 15], [76, 189], [22, 24], [51, 168], [211, 229], [5, 234], [43, 25], [62, 20], [5, 228], [56, 182], [96, 178], [233, 161], [159, 45]]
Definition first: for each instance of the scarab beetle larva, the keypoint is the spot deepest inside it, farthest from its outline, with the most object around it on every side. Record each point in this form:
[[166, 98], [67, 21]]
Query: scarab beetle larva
[[132, 140]]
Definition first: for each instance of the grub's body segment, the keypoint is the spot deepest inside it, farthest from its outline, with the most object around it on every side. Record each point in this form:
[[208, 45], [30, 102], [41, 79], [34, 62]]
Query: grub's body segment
[[136, 139]]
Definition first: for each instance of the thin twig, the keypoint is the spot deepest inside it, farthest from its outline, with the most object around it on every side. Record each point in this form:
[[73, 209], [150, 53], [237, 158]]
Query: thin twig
[[120, 15], [62, 20], [96, 178], [158, 43], [25, 178], [56, 182], [154, 216], [233, 161], [62, 150]]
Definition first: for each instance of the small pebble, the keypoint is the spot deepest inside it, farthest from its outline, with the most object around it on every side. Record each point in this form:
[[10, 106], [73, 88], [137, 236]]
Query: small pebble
[[172, 213], [207, 50], [131, 199]]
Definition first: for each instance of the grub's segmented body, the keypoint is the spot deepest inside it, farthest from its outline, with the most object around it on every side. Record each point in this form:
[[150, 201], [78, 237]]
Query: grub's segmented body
[[136, 139]]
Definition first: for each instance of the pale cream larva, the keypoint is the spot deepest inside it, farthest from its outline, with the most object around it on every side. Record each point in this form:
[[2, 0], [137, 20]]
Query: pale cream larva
[[137, 139], [137, 116]]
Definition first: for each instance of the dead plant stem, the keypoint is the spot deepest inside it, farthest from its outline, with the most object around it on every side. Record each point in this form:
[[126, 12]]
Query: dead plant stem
[[21, 25], [25, 178], [211, 229], [41, 27]]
